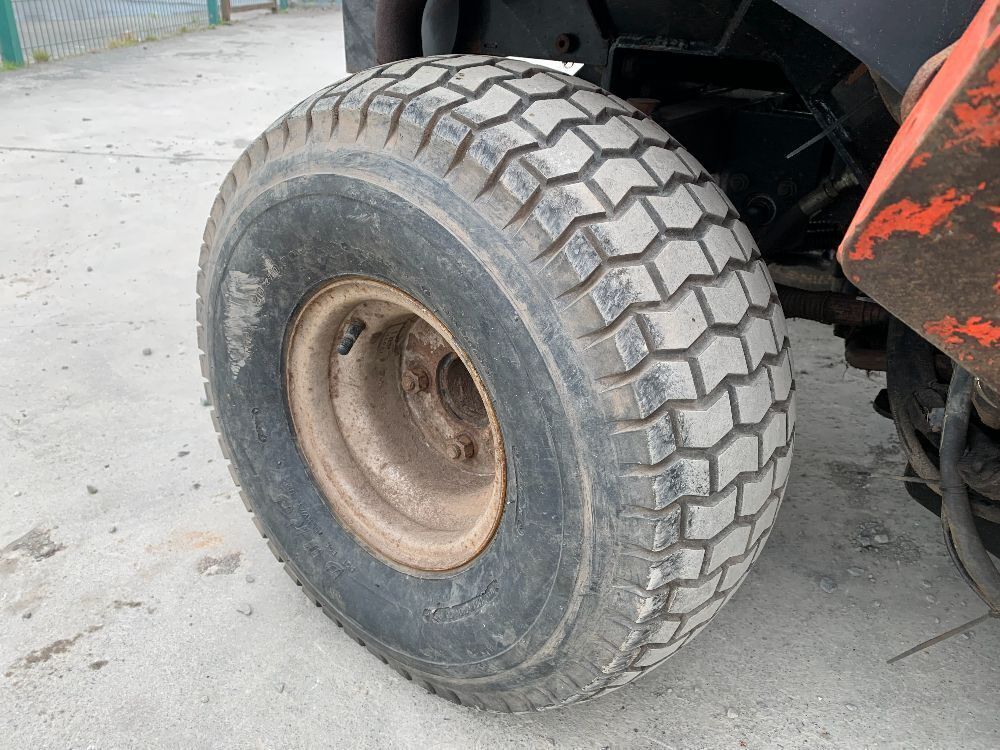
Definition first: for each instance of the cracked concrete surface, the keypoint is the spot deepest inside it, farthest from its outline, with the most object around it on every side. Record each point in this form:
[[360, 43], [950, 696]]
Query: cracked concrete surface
[[145, 610]]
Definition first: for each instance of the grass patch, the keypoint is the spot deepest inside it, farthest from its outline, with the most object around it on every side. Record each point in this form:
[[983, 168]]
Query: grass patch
[[40, 56], [7, 65], [128, 39]]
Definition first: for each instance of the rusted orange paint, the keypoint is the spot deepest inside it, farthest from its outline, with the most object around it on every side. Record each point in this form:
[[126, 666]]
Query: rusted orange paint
[[906, 216], [951, 331], [919, 160], [977, 121]]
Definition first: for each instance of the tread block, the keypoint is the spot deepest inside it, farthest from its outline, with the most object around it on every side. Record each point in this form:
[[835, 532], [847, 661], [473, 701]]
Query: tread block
[[722, 247], [559, 207], [597, 104], [665, 380], [678, 261], [752, 399], [765, 521], [754, 493], [731, 544], [616, 177], [760, 340], [539, 84], [701, 616], [421, 79], [663, 633], [568, 156], [774, 435], [473, 80], [649, 131], [665, 164], [678, 328], [781, 376], [705, 425], [490, 146], [657, 533], [711, 199], [685, 477], [575, 261], [546, 115], [735, 571], [707, 519], [618, 353], [649, 444], [418, 114], [681, 565], [491, 108], [631, 233], [724, 300], [612, 136], [688, 597], [736, 458], [755, 283], [654, 655], [677, 210], [722, 357]]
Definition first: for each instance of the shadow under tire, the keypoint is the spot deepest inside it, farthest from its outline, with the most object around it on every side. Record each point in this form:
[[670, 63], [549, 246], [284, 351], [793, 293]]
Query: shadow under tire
[[591, 452]]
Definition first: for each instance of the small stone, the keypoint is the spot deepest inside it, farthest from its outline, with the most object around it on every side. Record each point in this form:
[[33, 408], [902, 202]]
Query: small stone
[[78, 181], [930, 599], [250, 578], [204, 699], [89, 269], [147, 351], [244, 609], [137, 170], [926, 584], [26, 615], [827, 584], [856, 571], [967, 636], [196, 486], [181, 454], [732, 713], [881, 538], [281, 687], [91, 489], [865, 541], [876, 604], [850, 707], [113, 530], [18, 493]]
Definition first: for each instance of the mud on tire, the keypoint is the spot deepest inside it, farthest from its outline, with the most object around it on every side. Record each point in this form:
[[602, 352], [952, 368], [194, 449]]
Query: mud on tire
[[621, 319]]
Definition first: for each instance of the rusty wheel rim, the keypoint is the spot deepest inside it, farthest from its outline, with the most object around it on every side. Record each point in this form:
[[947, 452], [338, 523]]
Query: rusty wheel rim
[[399, 432]]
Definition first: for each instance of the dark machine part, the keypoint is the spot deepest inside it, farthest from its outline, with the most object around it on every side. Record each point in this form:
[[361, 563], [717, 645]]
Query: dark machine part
[[961, 536], [831, 307], [917, 380]]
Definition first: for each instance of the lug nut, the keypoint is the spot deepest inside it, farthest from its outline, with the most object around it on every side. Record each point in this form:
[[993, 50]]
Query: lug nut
[[462, 448], [415, 380]]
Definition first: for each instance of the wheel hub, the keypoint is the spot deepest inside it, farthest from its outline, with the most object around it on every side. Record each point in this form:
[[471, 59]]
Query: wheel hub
[[399, 432]]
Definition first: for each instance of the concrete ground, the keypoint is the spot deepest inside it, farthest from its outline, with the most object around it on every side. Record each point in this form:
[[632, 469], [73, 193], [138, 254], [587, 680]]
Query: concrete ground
[[140, 608]]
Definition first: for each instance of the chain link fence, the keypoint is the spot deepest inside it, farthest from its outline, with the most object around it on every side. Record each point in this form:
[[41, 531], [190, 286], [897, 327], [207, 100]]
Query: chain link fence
[[37, 31]]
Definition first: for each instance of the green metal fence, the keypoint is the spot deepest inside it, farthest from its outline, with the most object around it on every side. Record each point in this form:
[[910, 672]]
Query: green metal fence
[[36, 31]]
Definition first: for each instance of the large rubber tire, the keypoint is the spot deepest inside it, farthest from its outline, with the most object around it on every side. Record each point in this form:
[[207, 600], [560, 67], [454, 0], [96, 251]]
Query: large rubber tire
[[619, 315]]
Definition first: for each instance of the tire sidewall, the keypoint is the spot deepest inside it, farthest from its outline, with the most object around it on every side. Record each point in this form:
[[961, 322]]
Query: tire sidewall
[[308, 220]]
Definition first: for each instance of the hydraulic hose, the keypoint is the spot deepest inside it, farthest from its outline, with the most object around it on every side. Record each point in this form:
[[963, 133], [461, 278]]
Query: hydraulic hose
[[961, 536]]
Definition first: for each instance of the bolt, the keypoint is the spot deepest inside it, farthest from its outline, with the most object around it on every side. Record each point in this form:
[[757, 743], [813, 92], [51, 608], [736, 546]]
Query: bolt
[[566, 43], [354, 329], [415, 380], [738, 182], [462, 448]]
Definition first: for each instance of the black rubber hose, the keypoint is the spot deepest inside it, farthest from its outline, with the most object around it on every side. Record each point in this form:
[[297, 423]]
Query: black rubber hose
[[960, 531], [397, 29]]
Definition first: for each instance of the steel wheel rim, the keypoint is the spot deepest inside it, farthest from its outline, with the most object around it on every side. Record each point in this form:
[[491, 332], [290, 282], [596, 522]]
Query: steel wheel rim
[[399, 433]]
